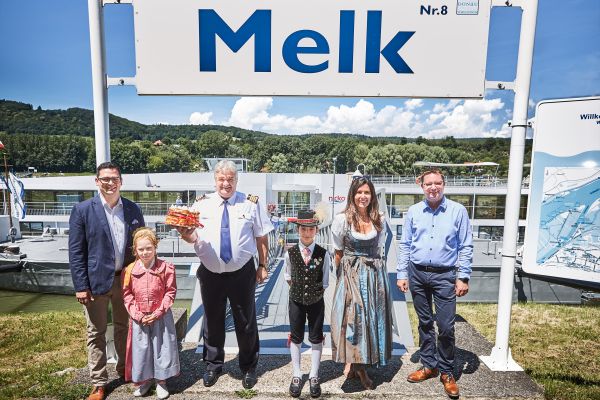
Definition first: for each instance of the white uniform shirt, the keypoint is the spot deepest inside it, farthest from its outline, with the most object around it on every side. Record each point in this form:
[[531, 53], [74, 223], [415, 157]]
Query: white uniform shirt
[[326, 263], [247, 221], [116, 222]]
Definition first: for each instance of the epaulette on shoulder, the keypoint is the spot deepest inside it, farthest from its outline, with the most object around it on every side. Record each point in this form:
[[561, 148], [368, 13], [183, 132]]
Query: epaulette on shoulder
[[200, 198], [253, 198]]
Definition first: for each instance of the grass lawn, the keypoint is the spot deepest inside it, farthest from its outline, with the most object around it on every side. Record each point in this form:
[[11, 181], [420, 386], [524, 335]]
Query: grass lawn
[[34, 346], [557, 345]]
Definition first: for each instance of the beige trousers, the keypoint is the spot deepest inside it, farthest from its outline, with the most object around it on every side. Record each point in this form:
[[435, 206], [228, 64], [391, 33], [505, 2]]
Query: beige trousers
[[96, 315]]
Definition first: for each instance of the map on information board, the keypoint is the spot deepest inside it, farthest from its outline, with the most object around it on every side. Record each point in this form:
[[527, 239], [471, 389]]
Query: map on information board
[[569, 232]]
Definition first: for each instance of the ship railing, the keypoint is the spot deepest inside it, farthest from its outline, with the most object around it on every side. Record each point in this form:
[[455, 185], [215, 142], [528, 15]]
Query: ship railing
[[453, 181], [64, 208], [475, 211]]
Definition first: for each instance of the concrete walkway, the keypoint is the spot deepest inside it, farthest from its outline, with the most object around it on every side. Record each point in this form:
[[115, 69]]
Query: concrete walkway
[[476, 381]]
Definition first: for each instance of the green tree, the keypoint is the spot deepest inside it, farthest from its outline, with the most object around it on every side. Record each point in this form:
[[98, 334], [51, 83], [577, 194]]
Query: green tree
[[278, 163]]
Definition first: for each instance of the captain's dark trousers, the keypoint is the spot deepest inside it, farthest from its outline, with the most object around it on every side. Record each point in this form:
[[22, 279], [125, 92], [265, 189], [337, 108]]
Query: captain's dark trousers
[[428, 289], [239, 287]]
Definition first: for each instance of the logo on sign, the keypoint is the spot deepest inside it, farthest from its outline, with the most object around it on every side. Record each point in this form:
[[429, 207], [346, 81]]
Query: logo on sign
[[337, 199], [467, 7]]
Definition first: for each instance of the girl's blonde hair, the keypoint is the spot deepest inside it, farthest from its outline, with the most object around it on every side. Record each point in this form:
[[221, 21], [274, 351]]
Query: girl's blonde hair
[[144, 233]]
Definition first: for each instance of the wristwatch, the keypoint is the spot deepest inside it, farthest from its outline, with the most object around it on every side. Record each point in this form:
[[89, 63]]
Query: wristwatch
[[264, 266], [464, 280]]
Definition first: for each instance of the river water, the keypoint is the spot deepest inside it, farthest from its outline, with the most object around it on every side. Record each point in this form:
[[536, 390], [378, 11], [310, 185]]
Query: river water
[[12, 302]]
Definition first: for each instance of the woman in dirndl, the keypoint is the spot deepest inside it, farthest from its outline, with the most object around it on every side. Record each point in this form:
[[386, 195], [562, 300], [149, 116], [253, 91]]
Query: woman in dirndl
[[361, 320]]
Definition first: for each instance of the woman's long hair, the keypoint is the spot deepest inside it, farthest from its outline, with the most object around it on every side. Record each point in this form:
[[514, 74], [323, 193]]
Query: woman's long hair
[[372, 209]]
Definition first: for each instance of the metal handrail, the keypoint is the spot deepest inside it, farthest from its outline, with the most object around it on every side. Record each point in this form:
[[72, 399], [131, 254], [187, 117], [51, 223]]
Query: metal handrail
[[451, 181]]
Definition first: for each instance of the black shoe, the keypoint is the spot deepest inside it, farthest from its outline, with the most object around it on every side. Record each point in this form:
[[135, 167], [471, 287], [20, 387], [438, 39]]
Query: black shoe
[[249, 379], [296, 387], [211, 377], [315, 387]]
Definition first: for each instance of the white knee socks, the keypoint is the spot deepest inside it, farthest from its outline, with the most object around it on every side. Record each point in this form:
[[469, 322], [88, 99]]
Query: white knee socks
[[315, 360], [295, 352]]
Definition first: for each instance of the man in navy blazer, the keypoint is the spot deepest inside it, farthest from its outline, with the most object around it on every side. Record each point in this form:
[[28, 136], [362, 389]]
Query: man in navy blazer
[[100, 246]]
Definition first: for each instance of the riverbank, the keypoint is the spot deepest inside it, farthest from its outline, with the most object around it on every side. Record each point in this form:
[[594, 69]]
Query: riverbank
[[557, 346]]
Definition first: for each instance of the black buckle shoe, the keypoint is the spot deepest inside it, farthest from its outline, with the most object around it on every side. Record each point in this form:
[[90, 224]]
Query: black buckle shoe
[[211, 377], [249, 379], [315, 387], [295, 387]]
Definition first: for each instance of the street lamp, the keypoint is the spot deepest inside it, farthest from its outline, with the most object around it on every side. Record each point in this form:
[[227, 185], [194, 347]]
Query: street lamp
[[357, 173], [333, 191]]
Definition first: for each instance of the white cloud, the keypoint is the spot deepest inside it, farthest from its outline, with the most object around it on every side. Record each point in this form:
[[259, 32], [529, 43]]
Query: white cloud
[[250, 111], [469, 119], [439, 107], [198, 118], [459, 118], [413, 104]]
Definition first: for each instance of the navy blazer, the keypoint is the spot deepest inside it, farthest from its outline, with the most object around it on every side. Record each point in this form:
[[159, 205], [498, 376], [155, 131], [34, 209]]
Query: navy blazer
[[91, 252]]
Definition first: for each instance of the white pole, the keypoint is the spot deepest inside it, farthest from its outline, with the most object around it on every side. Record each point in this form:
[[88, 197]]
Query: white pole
[[333, 191], [501, 358], [100, 89]]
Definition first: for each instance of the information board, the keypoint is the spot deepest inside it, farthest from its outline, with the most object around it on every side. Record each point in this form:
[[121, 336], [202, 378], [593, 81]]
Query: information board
[[562, 237]]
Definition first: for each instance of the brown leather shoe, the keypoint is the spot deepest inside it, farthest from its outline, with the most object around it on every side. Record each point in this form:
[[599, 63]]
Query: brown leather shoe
[[97, 393], [422, 374], [450, 385]]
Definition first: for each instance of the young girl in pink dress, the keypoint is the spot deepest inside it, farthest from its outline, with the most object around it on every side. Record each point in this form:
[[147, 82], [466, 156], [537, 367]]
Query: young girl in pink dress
[[149, 290]]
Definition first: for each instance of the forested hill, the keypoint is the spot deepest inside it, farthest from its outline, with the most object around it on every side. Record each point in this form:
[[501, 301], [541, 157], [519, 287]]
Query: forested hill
[[62, 140], [16, 117]]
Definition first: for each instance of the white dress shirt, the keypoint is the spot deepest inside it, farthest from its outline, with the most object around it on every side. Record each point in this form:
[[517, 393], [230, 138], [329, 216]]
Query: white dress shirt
[[116, 222], [247, 221], [326, 263]]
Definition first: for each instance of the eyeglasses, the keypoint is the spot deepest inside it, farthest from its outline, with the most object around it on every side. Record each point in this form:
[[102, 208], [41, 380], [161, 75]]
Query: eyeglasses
[[109, 179], [431, 184]]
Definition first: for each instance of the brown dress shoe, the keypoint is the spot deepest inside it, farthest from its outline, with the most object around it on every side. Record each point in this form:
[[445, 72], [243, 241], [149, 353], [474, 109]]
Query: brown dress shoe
[[97, 393], [450, 385], [422, 374]]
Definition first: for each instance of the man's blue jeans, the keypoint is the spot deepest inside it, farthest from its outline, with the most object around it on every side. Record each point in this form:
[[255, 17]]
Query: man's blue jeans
[[427, 289]]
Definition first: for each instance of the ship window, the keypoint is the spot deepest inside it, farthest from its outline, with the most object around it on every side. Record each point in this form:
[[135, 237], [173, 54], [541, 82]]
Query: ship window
[[150, 197], [523, 209], [398, 232], [489, 207], [31, 228], [288, 203], [399, 203]]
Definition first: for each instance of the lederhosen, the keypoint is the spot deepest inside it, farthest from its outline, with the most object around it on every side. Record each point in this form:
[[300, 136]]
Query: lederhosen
[[306, 295]]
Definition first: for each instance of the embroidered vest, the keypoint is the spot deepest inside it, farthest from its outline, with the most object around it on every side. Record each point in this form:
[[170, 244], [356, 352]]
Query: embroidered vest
[[307, 280]]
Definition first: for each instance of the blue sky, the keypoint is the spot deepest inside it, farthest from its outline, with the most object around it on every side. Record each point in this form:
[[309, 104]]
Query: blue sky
[[46, 61]]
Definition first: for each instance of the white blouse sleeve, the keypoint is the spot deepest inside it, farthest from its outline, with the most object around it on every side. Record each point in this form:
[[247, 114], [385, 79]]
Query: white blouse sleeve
[[338, 229], [383, 232]]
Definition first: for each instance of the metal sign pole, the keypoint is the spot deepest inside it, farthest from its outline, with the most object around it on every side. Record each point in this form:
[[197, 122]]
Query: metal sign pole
[[501, 358], [99, 85]]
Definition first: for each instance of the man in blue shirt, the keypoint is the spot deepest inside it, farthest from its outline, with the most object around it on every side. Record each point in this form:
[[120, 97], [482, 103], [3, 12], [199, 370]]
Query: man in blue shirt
[[436, 236]]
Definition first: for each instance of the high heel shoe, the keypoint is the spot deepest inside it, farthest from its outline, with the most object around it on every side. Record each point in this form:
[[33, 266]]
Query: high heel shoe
[[349, 372], [365, 380]]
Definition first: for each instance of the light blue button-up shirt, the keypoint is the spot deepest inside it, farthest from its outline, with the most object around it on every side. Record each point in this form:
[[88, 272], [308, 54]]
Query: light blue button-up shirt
[[437, 238], [116, 222]]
